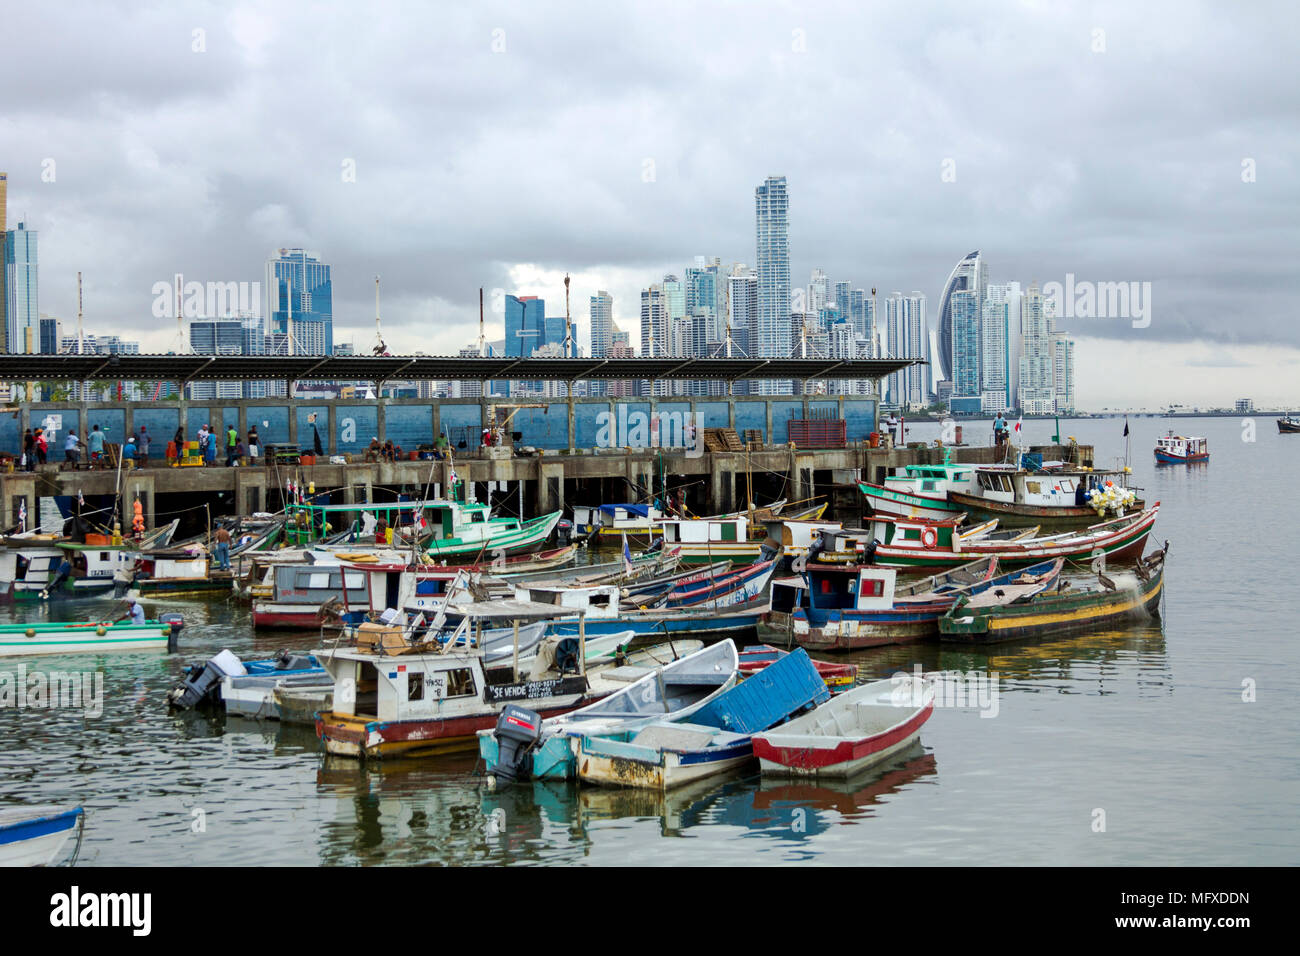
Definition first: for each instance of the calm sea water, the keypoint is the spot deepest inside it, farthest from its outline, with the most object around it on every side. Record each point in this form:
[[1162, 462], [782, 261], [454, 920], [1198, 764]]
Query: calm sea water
[[1147, 725]]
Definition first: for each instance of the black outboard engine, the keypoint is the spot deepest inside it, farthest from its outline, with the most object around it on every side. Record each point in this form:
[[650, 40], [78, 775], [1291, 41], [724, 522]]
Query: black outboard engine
[[518, 732], [564, 532], [200, 688], [175, 623]]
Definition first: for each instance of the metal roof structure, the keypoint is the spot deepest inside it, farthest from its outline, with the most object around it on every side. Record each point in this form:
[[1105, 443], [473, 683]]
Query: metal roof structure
[[365, 368]]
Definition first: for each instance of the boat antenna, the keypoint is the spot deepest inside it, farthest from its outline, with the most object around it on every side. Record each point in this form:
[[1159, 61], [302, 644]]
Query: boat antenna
[[380, 347]]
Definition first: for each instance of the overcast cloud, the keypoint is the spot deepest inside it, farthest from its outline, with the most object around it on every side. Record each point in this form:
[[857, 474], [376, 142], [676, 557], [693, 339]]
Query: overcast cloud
[[504, 144]]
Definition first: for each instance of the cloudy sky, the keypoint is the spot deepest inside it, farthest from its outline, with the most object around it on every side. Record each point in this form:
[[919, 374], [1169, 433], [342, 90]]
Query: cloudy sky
[[505, 144]]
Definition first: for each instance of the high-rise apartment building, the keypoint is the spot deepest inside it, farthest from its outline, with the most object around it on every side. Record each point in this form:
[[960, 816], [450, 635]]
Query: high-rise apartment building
[[970, 275], [769, 335], [22, 290], [299, 302], [1000, 336], [602, 323]]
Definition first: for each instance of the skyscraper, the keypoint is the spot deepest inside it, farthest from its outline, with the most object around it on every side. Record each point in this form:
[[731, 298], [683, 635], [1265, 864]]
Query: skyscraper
[[4, 286], [22, 291], [769, 335], [602, 323], [1000, 347], [742, 300], [972, 275], [1036, 394], [525, 325], [916, 344], [299, 302], [965, 311]]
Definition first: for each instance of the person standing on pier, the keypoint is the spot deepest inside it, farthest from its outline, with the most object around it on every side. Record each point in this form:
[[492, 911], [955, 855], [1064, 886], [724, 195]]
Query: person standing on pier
[[212, 445], [203, 443], [42, 445], [71, 454], [223, 548], [95, 443], [29, 451], [142, 448], [252, 445], [232, 439]]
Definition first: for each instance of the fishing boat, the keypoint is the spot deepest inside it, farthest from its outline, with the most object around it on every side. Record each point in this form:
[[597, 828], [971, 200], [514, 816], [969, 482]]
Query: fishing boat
[[300, 591], [525, 746], [705, 540], [921, 491], [243, 687], [836, 608], [838, 677], [26, 570], [86, 569], [443, 530], [1116, 597], [718, 737], [858, 545], [739, 587], [1174, 449], [89, 637], [606, 525], [1288, 425], [394, 698], [36, 836], [849, 733], [1051, 498], [922, 545], [173, 572]]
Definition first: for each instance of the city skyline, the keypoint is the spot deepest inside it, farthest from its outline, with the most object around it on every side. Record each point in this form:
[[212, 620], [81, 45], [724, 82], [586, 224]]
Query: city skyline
[[907, 192]]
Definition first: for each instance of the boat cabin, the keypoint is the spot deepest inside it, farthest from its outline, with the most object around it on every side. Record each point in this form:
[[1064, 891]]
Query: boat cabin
[[317, 583], [616, 518], [836, 588], [1180, 448], [933, 480], [597, 602], [705, 530]]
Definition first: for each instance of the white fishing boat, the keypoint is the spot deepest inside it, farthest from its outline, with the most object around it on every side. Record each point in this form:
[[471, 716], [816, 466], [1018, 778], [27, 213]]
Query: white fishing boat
[[850, 732], [37, 836]]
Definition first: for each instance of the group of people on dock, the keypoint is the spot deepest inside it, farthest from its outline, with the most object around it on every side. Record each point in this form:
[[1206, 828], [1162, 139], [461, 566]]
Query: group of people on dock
[[209, 440], [36, 449]]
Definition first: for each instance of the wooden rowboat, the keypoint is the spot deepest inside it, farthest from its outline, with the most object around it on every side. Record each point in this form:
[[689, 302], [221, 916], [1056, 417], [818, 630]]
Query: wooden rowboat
[[35, 836], [849, 733]]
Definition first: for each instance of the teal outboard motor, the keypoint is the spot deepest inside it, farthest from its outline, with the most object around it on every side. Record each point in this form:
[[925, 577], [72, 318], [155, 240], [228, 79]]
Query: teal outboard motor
[[518, 732]]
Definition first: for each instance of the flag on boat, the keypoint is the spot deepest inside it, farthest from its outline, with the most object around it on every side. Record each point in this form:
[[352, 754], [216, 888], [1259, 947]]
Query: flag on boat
[[627, 556], [1126, 428], [1019, 422], [22, 515], [81, 502]]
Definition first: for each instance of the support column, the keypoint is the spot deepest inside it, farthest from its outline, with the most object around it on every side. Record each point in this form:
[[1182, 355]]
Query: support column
[[140, 483], [381, 420], [332, 423], [293, 426]]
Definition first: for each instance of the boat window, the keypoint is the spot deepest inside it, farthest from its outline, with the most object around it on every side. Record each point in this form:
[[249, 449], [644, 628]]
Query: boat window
[[927, 486], [318, 579], [460, 682], [476, 516], [1033, 487], [415, 686], [103, 555], [1067, 485], [354, 579], [872, 587]]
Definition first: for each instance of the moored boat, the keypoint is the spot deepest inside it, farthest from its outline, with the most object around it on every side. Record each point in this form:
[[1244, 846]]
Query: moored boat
[[1288, 425], [1050, 498], [91, 637], [1174, 449], [36, 836], [718, 738], [1116, 597], [849, 733], [838, 677]]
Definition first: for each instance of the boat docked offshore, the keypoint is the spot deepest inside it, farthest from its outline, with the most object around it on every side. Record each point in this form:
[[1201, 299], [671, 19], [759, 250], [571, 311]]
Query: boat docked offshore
[[606, 525], [1174, 449], [705, 540], [300, 591], [525, 746], [36, 836], [922, 545], [176, 571], [739, 587], [844, 608], [849, 733], [718, 737], [1052, 499], [26, 570], [1288, 425], [1116, 597], [393, 697], [82, 637]]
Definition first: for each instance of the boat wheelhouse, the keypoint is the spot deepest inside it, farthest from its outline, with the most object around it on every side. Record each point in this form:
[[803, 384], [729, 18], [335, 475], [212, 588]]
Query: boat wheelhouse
[[605, 525], [175, 571], [1288, 425], [1174, 449], [1049, 498], [26, 571], [921, 491], [299, 591]]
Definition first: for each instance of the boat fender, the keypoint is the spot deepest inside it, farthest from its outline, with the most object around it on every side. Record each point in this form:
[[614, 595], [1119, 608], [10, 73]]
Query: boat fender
[[31, 632], [929, 537], [100, 630]]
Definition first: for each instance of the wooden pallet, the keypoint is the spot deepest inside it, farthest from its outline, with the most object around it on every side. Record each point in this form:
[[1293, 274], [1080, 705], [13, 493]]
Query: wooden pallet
[[722, 439]]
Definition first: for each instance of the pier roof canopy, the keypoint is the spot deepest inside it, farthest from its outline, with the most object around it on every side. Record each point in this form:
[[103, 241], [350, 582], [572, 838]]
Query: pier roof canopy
[[362, 368]]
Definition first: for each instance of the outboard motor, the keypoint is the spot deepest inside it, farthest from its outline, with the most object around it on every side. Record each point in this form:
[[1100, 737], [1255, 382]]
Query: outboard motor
[[564, 532], [201, 686], [175, 623], [518, 732]]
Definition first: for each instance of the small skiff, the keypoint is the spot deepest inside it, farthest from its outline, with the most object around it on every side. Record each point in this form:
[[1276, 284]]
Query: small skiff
[[849, 733], [36, 836]]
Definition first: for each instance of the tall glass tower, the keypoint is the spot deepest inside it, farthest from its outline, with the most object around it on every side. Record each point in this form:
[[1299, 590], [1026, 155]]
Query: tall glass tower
[[969, 275], [769, 335], [22, 291], [299, 301]]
